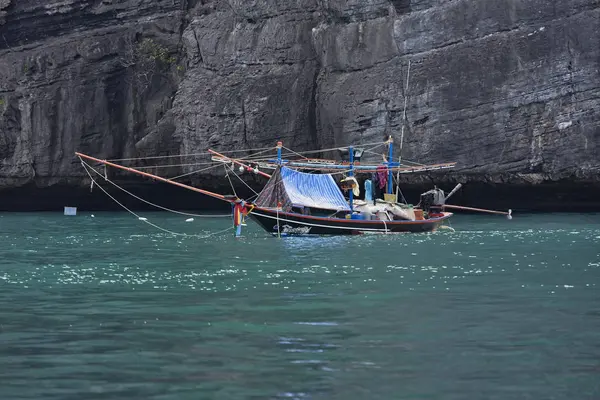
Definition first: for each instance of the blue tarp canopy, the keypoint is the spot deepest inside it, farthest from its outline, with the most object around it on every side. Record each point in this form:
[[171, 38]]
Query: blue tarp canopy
[[313, 190], [289, 187]]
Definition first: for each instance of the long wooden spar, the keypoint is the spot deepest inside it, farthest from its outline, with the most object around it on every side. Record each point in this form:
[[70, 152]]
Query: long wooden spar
[[135, 171], [248, 168], [509, 213]]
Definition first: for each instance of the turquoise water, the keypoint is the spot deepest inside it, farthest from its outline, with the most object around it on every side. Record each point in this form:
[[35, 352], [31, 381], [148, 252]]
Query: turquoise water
[[110, 308]]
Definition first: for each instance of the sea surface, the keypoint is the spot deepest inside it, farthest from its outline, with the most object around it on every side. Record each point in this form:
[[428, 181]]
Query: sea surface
[[109, 307]]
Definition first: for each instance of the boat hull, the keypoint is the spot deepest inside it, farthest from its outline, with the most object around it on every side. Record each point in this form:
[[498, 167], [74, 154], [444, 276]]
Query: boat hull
[[299, 224]]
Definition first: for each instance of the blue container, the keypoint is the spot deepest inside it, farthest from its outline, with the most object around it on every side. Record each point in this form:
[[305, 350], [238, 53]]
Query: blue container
[[357, 216]]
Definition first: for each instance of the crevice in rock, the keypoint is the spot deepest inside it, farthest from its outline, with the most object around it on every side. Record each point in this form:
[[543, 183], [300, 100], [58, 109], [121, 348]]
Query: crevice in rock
[[421, 121], [200, 57], [312, 108], [245, 131]]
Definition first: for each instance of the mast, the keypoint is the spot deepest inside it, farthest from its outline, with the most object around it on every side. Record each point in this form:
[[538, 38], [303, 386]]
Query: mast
[[279, 146], [402, 134], [351, 173], [390, 182]]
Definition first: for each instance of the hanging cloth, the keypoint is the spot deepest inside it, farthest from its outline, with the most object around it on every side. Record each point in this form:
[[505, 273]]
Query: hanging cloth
[[382, 174], [240, 210], [369, 191]]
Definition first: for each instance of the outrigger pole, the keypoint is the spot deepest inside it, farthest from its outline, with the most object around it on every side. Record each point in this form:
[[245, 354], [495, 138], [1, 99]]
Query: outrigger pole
[[135, 171], [508, 214]]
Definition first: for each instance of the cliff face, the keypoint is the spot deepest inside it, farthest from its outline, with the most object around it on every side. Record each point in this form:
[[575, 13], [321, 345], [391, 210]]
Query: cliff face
[[68, 82], [508, 89]]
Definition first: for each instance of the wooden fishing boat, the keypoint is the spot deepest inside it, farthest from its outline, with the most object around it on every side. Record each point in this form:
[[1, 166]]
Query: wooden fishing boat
[[293, 202], [285, 223], [301, 196]]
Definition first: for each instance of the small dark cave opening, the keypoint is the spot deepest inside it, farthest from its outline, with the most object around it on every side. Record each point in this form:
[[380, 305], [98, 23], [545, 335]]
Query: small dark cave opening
[[402, 6]]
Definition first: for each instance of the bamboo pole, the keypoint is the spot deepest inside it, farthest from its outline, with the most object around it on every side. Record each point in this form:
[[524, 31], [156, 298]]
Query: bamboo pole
[[248, 168], [509, 213], [135, 171]]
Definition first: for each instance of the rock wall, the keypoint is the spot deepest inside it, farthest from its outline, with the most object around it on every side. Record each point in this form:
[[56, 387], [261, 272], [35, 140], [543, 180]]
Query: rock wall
[[508, 89], [67, 84]]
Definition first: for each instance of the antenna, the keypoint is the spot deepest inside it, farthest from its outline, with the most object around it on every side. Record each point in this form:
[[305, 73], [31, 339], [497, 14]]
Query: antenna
[[402, 134]]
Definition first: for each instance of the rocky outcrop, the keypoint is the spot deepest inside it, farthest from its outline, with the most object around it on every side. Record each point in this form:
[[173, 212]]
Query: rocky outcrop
[[509, 89]]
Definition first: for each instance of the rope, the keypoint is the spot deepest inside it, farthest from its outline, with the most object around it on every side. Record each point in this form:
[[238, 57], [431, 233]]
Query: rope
[[398, 190], [188, 155], [339, 148], [150, 223], [293, 152], [86, 166], [278, 227], [373, 152], [229, 179], [253, 157], [241, 180], [193, 172], [174, 165]]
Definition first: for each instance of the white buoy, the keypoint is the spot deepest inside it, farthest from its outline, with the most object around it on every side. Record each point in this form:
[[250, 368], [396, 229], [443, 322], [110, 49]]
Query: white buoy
[[93, 216], [256, 170], [189, 220], [241, 169], [70, 211], [509, 216]]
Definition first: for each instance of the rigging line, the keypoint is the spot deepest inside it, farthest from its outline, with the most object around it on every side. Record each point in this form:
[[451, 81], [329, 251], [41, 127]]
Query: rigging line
[[250, 159], [293, 152], [193, 172], [152, 204], [376, 146], [413, 163], [174, 165], [330, 149], [237, 176], [338, 148], [150, 223], [253, 157], [231, 183], [397, 181], [261, 149], [210, 163], [263, 158], [370, 151], [188, 155], [200, 163], [405, 161]]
